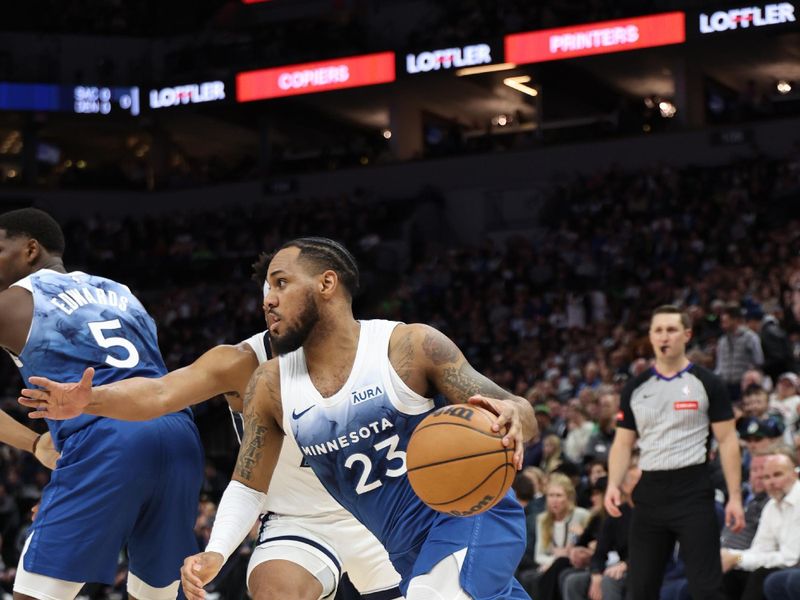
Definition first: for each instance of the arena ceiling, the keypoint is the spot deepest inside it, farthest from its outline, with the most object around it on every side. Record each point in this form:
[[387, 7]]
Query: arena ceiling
[[569, 90]]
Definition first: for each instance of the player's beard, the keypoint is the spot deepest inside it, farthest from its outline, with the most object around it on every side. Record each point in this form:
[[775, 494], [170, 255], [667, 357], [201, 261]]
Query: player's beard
[[294, 337]]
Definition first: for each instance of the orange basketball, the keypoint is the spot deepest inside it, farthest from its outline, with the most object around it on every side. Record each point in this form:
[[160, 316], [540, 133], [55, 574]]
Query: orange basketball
[[456, 463]]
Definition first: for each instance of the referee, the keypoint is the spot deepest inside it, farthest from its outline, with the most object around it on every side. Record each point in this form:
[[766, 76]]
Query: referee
[[669, 408]]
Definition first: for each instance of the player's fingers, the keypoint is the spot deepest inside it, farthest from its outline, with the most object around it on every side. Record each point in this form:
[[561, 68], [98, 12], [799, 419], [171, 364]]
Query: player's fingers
[[42, 382], [503, 412], [191, 570], [88, 375], [519, 449], [28, 402], [36, 414], [514, 438], [192, 590], [43, 395], [487, 403], [507, 419]]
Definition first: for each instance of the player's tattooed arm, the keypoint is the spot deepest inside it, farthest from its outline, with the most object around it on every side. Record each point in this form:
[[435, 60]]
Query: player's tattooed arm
[[453, 375], [402, 357], [262, 439], [450, 373]]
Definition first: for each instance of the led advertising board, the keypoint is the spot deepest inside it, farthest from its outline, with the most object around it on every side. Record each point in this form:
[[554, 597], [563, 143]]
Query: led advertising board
[[448, 58], [309, 78], [746, 18], [191, 93], [596, 38]]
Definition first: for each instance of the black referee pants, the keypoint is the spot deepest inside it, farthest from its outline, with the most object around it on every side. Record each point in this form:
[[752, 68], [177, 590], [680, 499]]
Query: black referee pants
[[674, 506]]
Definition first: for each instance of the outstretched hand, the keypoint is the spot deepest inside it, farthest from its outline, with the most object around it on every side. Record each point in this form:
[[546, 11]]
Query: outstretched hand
[[508, 416], [197, 571], [56, 400]]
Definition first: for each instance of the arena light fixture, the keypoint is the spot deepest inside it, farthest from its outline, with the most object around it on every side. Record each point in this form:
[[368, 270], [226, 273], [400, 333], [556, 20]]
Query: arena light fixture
[[485, 69], [784, 87], [667, 109], [518, 83]]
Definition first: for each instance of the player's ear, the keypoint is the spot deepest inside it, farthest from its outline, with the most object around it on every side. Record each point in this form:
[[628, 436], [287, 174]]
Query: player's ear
[[328, 282], [33, 251]]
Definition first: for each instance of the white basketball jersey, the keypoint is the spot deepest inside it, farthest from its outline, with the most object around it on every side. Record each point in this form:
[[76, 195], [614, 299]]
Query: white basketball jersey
[[356, 439], [294, 489]]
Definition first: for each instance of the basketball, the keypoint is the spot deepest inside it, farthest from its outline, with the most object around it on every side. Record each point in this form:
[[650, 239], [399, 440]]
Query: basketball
[[456, 463]]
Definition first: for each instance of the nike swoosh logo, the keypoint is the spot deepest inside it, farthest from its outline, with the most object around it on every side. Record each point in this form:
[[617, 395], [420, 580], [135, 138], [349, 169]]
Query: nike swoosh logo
[[296, 415]]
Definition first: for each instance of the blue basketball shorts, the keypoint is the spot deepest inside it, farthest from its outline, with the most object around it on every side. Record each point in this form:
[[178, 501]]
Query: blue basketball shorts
[[495, 541], [119, 484]]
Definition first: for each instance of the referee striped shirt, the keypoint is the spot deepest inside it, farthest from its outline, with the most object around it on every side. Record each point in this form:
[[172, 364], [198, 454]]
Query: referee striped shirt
[[672, 415]]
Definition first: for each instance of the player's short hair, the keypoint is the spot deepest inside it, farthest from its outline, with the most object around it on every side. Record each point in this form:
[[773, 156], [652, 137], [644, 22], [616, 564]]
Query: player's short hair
[[261, 266], [35, 224], [671, 309], [323, 254]]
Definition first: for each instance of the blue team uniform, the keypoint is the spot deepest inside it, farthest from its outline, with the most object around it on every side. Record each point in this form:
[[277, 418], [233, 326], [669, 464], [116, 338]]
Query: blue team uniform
[[355, 442], [117, 483]]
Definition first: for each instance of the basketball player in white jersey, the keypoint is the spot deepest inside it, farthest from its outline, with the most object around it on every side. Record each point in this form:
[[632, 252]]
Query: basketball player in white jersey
[[307, 540], [350, 394]]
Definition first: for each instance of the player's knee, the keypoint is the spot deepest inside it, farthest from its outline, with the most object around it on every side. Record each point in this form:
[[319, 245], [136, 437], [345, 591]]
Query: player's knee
[[140, 590], [272, 588]]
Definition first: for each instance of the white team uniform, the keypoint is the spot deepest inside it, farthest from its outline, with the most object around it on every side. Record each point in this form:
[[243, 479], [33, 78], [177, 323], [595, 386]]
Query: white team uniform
[[305, 525]]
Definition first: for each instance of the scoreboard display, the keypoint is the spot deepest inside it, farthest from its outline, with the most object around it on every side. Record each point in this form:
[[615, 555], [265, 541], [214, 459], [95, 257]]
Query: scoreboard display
[[79, 99]]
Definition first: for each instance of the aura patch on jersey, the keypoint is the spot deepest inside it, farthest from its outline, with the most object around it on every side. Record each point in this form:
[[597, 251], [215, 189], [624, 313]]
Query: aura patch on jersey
[[365, 393]]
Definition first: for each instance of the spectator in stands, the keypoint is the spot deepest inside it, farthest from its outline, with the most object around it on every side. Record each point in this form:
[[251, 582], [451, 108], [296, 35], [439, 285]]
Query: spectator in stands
[[785, 400], [778, 353], [558, 421], [600, 442], [759, 435], [738, 349], [595, 469], [580, 429], [754, 497], [581, 555], [755, 402], [602, 581], [776, 544], [552, 456], [753, 377], [557, 531]]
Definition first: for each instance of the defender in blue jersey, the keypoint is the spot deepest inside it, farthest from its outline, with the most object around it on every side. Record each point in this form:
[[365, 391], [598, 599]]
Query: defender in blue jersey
[[350, 393], [117, 484]]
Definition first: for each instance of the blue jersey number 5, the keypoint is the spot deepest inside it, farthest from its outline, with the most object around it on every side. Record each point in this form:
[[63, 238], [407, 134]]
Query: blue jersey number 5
[[98, 329]]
